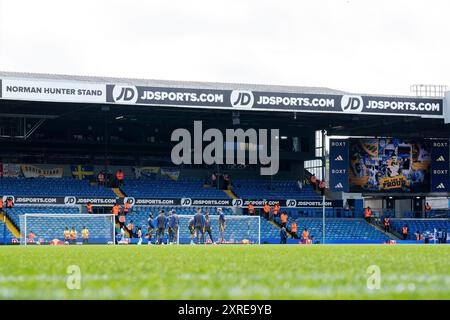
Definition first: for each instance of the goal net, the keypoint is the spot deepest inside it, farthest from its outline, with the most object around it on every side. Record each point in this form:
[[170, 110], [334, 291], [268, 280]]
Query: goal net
[[237, 229], [49, 228]]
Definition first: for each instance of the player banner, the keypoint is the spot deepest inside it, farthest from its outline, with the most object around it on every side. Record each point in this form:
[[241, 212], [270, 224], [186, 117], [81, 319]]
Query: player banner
[[440, 175], [339, 164], [30, 171], [389, 165]]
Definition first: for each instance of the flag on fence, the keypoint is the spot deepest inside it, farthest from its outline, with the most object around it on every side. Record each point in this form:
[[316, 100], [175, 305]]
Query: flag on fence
[[82, 172]]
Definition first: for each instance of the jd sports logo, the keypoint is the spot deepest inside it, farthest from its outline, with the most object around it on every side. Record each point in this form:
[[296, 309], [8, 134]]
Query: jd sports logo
[[440, 186], [237, 203], [339, 158], [70, 201], [186, 202], [129, 200], [351, 103], [125, 94], [338, 186], [291, 203], [441, 158], [241, 99]]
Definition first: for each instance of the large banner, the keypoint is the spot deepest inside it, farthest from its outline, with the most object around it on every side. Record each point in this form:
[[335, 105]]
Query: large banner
[[389, 165], [339, 164], [440, 175], [60, 90], [273, 101], [172, 173], [184, 202], [30, 171], [10, 170]]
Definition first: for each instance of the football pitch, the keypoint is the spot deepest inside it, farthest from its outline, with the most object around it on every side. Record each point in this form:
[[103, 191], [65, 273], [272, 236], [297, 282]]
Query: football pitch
[[225, 272]]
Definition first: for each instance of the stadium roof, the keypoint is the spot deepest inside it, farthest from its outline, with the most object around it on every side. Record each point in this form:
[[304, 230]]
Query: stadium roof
[[172, 84]]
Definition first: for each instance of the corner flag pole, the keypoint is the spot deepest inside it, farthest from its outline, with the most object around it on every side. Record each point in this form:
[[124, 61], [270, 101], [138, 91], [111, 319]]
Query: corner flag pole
[[323, 219]]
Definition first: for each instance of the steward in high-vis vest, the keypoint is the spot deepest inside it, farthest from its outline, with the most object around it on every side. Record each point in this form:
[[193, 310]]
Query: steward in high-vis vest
[[85, 235], [66, 235], [368, 214]]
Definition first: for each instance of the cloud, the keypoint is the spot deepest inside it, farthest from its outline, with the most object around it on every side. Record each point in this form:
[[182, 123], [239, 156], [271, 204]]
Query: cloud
[[360, 46]]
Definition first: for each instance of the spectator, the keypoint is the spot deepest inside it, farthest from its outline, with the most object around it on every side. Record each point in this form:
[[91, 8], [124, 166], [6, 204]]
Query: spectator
[[127, 207], [427, 210], [119, 177], [101, 178], [1, 204], [251, 209], [121, 220], [294, 230], [405, 232], [284, 218], [276, 210], [9, 203], [314, 181], [418, 235], [266, 210], [89, 207], [139, 235], [300, 184], [322, 187], [386, 224], [130, 228], [213, 179], [283, 236]]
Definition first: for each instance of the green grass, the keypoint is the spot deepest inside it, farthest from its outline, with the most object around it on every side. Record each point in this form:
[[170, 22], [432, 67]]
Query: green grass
[[226, 272]]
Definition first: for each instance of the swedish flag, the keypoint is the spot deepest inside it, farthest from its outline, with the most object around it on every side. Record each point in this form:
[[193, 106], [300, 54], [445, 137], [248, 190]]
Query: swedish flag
[[82, 172]]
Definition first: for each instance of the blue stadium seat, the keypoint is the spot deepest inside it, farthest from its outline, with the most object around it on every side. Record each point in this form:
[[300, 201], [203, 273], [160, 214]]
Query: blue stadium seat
[[192, 188], [278, 189], [41, 187]]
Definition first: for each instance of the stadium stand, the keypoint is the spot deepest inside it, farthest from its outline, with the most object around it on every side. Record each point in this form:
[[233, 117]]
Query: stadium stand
[[277, 189], [4, 233], [14, 213], [170, 189], [340, 229], [42, 187], [421, 225]]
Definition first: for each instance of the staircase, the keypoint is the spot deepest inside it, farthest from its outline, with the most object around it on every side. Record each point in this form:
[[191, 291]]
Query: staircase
[[230, 194], [118, 192], [380, 228], [10, 225]]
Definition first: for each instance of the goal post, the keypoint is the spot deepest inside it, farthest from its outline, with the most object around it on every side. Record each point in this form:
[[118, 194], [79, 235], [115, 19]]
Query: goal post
[[239, 229], [47, 228]]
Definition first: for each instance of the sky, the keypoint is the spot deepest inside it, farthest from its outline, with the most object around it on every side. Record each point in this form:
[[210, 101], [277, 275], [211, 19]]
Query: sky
[[377, 46]]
